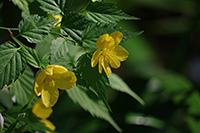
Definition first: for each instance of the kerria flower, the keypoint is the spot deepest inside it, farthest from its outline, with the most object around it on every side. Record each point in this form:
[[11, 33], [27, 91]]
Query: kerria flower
[[49, 80], [59, 17], [42, 112], [96, 0], [110, 53]]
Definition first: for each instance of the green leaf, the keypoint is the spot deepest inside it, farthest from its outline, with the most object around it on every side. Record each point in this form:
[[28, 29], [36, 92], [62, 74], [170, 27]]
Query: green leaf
[[118, 84], [5, 98], [193, 103], [94, 31], [193, 123], [22, 4], [32, 34], [23, 86], [69, 60], [74, 20], [64, 4], [12, 63], [175, 85], [91, 77], [30, 54], [32, 122], [75, 35], [50, 6], [43, 48], [58, 49], [89, 102], [100, 12]]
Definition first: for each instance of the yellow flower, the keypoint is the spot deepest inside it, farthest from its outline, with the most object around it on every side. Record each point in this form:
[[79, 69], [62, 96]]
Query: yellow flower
[[110, 53], [48, 124], [49, 80], [59, 17], [96, 0], [42, 112]]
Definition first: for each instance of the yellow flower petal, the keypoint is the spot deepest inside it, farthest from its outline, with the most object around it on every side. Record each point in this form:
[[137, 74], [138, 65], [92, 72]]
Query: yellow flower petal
[[105, 66], [117, 36], [49, 95], [59, 17], [101, 60], [39, 83], [66, 81], [120, 53], [48, 70], [95, 57], [40, 110], [58, 69], [48, 124], [113, 61], [96, 0], [105, 41]]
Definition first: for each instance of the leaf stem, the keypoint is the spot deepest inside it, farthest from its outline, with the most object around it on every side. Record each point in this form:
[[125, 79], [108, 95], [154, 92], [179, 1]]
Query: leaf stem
[[32, 21], [5, 28], [24, 108]]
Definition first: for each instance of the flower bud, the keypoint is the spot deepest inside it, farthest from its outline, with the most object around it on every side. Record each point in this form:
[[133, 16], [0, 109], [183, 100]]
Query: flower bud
[[21, 116], [1, 122]]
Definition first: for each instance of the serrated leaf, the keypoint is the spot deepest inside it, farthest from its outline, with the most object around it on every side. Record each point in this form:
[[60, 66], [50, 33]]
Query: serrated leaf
[[30, 54], [32, 34], [58, 49], [100, 12], [64, 4], [43, 47], [23, 5], [118, 84], [12, 63], [5, 99], [50, 6], [32, 122], [23, 87], [74, 20], [94, 31], [89, 102], [93, 79], [73, 34]]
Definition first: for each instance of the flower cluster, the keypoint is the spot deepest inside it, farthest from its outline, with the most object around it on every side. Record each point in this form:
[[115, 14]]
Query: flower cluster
[[110, 53], [49, 80], [54, 77]]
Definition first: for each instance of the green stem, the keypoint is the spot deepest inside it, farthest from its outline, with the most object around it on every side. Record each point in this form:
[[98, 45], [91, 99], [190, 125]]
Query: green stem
[[24, 108], [28, 103], [5, 28], [32, 21]]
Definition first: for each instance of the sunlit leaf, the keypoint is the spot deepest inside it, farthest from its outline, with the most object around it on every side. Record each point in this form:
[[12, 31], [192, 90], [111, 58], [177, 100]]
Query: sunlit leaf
[[30, 54], [50, 6], [88, 101], [59, 49], [23, 87], [106, 13], [12, 63], [118, 84], [32, 34]]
